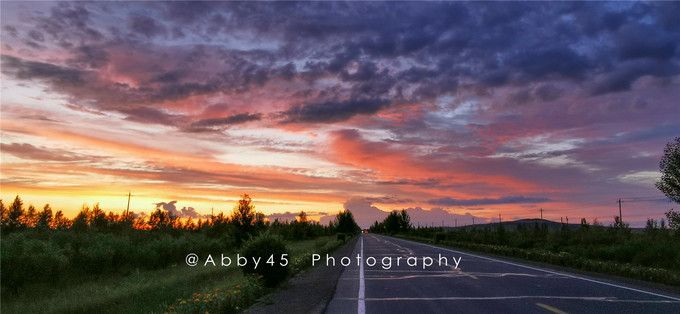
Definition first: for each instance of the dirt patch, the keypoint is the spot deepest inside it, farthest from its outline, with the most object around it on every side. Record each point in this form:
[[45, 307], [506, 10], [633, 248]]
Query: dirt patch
[[307, 292]]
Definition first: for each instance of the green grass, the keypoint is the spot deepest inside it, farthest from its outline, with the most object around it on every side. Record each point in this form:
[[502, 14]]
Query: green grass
[[146, 291], [152, 291]]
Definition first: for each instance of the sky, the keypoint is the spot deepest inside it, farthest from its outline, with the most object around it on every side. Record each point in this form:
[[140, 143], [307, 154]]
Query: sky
[[449, 110]]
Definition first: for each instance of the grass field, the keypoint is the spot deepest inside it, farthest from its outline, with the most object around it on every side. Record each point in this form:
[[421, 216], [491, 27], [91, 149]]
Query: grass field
[[155, 291]]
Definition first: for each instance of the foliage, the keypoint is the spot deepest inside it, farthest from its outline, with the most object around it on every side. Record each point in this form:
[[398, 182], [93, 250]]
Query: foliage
[[243, 217], [231, 300], [345, 223], [273, 257], [235, 297], [14, 215], [395, 222], [670, 171], [95, 243], [29, 260], [674, 220]]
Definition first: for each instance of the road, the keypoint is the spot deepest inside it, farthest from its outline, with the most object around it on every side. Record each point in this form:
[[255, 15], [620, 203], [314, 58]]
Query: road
[[478, 285]]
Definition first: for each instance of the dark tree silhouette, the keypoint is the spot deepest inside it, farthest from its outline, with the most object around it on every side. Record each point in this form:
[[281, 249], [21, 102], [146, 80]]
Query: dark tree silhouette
[[392, 223], [97, 217], [60, 222], [395, 222], [302, 217], [670, 171], [345, 222], [45, 218], [4, 214], [243, 216], [80, 222], [161, 219], [30, 217], [670, 179], [404, 221], [16, 211]]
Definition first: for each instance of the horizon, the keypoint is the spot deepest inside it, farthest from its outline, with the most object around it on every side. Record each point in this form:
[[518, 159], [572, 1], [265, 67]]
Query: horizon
[[449, 110]]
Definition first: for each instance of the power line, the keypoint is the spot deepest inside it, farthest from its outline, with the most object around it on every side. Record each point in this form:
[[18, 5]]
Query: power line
[[646, 200], [641, 197]]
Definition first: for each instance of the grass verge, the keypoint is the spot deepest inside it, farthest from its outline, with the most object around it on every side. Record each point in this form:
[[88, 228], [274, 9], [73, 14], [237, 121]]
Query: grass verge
[[173, 289], [232, 297]]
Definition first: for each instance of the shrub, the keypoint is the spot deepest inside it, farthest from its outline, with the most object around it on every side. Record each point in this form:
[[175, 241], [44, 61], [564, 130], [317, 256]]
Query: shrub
[[439, 237], [273, 255], [96, 257], [29, 261]]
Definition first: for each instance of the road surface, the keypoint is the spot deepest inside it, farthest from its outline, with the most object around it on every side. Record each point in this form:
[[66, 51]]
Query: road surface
[[478, 285]]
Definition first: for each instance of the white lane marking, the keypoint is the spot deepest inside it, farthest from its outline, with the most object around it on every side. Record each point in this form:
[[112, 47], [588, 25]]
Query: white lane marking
[[549, 271], [551, 297], [361, 307]]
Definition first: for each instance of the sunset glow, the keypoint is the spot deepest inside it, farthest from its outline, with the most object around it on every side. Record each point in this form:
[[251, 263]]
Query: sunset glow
[[451, 110]]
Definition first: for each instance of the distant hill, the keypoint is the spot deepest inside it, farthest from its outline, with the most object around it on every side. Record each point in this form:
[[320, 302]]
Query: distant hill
[[527, 223]]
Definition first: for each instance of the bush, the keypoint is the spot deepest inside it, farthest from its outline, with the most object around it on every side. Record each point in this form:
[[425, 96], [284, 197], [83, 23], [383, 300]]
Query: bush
[[341, 237], [439, 237], [29, 260], [273, 255]]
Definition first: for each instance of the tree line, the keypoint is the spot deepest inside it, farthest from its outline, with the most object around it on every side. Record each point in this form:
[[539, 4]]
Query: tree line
[[38, 246], [243, 221]]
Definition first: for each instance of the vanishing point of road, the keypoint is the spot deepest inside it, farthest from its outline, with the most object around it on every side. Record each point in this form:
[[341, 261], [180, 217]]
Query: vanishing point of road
[[480, 284]]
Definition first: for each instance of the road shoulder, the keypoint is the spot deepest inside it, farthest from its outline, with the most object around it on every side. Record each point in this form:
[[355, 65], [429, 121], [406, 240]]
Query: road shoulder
[[308, 292]]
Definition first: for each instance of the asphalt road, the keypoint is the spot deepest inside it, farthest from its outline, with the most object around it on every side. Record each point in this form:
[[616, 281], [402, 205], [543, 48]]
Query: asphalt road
[[478, 285]]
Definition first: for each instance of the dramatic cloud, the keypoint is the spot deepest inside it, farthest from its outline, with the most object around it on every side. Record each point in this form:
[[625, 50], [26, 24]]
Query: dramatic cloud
[[226, 121], [439, 217], [447, 201], [319, 106], [363, 211], [187, 212], [30, 152], [168, 207], [333, 111]]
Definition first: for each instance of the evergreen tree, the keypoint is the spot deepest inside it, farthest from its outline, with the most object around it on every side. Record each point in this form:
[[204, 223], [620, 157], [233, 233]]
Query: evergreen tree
[[15, 215], [242, 217], [45, 218]]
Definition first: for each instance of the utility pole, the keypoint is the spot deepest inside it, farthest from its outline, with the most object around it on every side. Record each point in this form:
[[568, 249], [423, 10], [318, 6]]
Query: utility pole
[[561, 220], [567, 219], [499, 218], [541, 213], [127, 211], [620, 214]]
